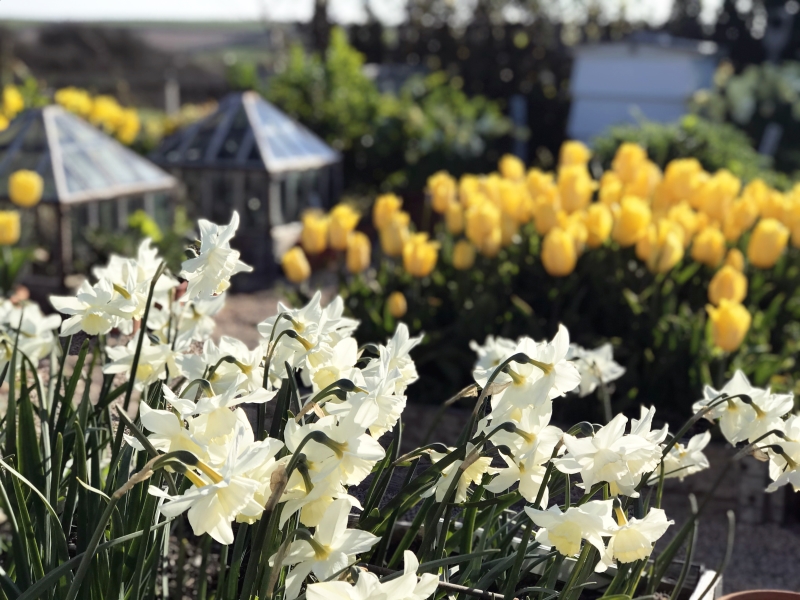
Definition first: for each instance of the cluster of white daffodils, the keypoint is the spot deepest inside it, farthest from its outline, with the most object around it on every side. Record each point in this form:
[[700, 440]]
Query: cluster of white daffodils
[[195, 392], [532, 375], [760, 417]]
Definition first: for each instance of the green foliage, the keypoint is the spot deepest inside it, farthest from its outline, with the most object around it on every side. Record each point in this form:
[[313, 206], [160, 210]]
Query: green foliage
[[390, 141], [760, 95], [715, 145]]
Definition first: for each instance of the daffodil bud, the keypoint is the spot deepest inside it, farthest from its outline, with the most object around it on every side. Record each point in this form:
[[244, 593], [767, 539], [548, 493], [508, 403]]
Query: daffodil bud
[[394, 236], [343, 220], [463, 255], [9, 227], [385, 206], [420, 255], [599, 222], [511, 167], [708, 246], [25, 188], [314, 237], [728, 284], [358, 252], [397, 305], [631, 219], [767, 243], [730, 322], [295, 265], [558, 253]]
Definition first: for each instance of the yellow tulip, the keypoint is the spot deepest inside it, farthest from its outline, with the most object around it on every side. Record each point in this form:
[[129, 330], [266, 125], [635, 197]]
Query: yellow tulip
[[314, 237], [729, 324], [508, 229], [468, 186], [74, 100], [645, 182], [395, 235], [756, 191], [454, 218], [106, 112], [358, 252], [599, 222], [767, 243], [490, 186], [576, 187], [573, 153], [631, 219], [682, 177], [463, 255], [708, 246], [13, 102], [628, 159], [343, 220], [610, 190], [538, 182], [515, 201], [442, 188], [661, 248], [295, 265], [728, 284], [716, 195], [129, 125], [689, 221], [25, 188], [774, 206], [735, 259], [420, 255], [397, 305], [575, 225], [383, 209], [482, 221], [3, 123], [9, 227], [558, 253], [511, 167], [739, 218], [490, 247]]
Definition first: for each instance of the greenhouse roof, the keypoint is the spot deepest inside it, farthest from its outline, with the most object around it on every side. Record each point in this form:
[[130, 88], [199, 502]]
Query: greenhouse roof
[[246, 132], [78, 162]]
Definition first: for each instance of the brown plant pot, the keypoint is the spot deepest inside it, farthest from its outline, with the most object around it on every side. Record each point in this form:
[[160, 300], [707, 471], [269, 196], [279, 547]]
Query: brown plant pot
[[763, 595]]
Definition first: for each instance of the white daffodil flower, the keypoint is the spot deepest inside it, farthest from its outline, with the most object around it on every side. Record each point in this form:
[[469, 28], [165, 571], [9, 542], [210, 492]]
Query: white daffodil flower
[[596, 367], [36, 338], [633, 539], [368, 587], [396, 353], [196, 318], [215, 502], [784, 466], [606, 457], [493, 352], [379, 407], [682, 461], [732, 414], [354, 451], [210, 272], [168, 432], [565, 530], [333, 363], [527, 470], [95, 310], [766, 414], [333, 547], [472, 474], [154, 361]]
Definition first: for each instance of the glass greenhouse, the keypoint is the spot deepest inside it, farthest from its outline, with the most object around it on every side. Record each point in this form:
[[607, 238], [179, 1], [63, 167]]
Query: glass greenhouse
[[92, 183], [251, 157]]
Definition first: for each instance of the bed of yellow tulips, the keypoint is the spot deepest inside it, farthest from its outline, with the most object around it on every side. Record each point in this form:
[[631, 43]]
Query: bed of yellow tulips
[[696, 266]]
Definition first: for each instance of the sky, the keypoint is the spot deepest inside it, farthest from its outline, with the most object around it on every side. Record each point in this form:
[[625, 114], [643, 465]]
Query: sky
[[345, 11]]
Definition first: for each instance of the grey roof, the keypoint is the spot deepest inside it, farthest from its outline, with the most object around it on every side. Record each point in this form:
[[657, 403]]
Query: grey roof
[[246, 132], [78, 162]]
